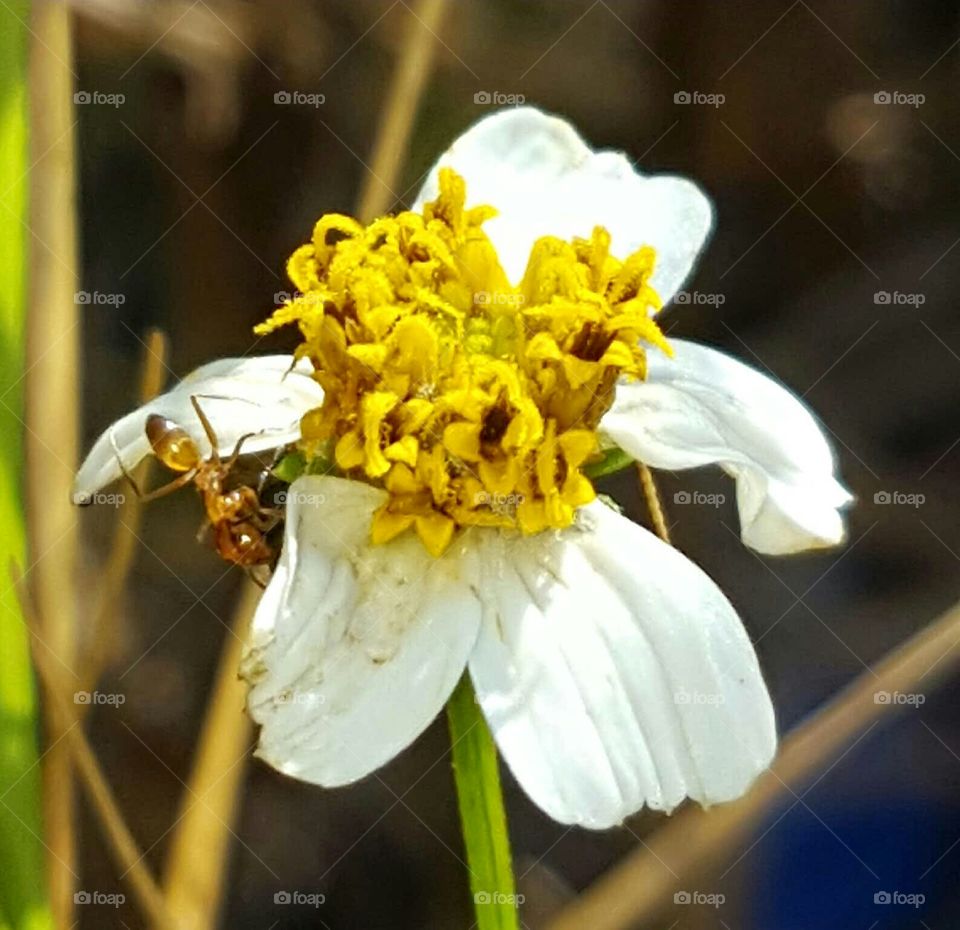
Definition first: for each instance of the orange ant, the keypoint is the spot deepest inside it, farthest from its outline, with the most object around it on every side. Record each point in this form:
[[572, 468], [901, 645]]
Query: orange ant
[[239, 521]]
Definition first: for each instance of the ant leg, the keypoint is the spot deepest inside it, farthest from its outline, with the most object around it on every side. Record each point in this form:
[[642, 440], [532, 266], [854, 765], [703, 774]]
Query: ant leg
[[212, 436], [203, 529], [236, 450], [177, 482], [166, 489], [207, 428], [265, 473], [268, 518], [252, 575], [123, 468]]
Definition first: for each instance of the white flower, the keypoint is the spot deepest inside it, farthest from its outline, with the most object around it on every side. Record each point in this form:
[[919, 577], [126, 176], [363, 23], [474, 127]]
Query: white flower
[[612, 671]]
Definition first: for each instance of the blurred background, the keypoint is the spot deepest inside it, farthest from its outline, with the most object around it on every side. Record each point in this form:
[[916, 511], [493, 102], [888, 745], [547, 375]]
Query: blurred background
[[211, 134]]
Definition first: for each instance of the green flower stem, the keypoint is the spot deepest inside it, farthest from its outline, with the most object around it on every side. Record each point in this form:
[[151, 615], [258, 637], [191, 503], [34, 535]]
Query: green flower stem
[[482, 816], [22, 881]]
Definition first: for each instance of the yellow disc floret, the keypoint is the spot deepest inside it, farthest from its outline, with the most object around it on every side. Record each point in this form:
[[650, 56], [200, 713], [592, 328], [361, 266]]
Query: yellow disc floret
[[469, 400]]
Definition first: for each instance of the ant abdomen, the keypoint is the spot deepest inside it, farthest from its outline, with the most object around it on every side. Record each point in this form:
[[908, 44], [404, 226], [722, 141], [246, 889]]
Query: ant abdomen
[[171, 443]]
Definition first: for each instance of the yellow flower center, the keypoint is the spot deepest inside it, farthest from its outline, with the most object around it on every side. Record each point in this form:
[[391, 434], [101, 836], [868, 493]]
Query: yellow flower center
[[471, 401]]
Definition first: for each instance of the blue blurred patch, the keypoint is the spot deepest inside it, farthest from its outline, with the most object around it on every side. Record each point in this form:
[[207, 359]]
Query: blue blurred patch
[[806, 873]]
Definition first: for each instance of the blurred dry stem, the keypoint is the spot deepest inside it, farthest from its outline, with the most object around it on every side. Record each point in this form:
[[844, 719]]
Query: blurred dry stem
[[652, 497], [51, 408], [106, 616], [195, 874], [124, 846], [213, 45], [635, 891], [400, 109]]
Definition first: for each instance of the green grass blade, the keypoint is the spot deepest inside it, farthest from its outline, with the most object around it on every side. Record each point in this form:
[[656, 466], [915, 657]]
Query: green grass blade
[[22, 882]]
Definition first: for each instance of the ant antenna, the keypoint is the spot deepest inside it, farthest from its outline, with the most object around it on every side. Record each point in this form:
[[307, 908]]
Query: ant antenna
[[208, 429]]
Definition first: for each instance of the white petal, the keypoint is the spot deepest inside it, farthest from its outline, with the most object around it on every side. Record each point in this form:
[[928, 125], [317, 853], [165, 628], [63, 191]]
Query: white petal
[[614, 674], [355, 648], [544, 180], [703, 407], [259, 395]]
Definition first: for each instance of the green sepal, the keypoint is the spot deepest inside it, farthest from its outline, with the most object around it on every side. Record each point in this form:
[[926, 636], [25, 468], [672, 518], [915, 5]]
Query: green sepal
[[613, 460], [290, 467]]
